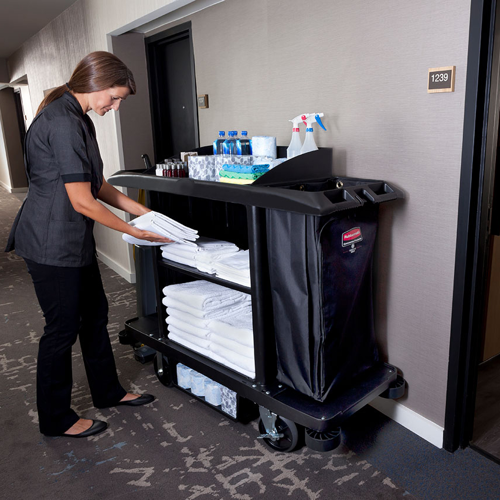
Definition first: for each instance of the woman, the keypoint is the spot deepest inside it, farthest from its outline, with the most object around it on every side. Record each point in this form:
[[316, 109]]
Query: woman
[[53, 233]]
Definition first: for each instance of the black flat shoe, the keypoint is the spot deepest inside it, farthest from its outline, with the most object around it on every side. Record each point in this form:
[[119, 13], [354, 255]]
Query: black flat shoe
[[97, 427], [144, 399]]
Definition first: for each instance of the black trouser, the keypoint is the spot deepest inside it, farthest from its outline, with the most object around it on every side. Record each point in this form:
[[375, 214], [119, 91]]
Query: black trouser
[[74, 304]]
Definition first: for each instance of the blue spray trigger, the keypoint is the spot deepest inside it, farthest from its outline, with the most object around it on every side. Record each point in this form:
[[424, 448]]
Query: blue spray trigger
[[318, 120]]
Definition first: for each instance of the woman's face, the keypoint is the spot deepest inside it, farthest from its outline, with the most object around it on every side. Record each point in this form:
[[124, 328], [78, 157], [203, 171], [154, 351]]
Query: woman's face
[[105, 100]]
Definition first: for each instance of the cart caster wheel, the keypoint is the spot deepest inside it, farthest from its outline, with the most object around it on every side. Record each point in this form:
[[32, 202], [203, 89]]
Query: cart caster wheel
[[125, 338], [291, 435], [396, 390], [163, 373], [323, 441]]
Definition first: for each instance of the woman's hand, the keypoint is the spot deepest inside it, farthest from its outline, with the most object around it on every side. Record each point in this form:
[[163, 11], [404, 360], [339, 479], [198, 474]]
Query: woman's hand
[[149, 236]]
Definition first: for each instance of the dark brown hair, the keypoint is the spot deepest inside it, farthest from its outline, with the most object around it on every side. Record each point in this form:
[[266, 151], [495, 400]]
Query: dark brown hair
[[97, 71]]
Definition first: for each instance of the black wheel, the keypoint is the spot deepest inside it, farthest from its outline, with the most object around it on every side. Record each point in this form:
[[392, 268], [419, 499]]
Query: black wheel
[[291, 435], [396, 389], [163, 373], [125, 338], [323, 441]]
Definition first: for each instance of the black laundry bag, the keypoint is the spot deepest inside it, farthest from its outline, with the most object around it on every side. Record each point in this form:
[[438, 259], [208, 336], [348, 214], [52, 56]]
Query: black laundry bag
[[321, 286]]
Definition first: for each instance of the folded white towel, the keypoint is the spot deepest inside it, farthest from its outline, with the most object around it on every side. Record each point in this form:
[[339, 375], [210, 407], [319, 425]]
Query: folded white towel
[[237, 359], [162, 225], [188, 318], [204, 295], [201, 342], [187, 327], [217, 313], [236, 327], [231, 345], [181, 250], [239, 260], [212, 355], [234, 279], [176, 258]]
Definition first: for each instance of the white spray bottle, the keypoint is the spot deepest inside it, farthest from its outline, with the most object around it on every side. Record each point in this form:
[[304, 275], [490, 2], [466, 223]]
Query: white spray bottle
[[309, 142], [295, 143]]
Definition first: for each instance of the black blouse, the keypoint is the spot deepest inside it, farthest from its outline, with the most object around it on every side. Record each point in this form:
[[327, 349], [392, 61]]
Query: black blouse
[[61, 147]]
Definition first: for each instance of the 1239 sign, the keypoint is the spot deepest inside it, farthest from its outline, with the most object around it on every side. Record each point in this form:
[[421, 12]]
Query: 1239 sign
[[441, 79]]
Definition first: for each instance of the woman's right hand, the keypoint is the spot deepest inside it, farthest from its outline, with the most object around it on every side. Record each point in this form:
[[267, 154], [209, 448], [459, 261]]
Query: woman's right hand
[[149, 236]]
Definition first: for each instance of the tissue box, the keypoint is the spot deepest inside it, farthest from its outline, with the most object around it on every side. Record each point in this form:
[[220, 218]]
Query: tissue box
[[228, 403], [203, 168]]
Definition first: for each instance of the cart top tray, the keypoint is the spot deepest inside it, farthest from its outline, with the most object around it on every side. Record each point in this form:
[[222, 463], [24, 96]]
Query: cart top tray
[[304, 184]]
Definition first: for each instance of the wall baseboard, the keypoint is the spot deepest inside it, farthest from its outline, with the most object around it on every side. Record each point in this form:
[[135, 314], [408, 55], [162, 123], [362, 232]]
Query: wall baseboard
[[13, 190], [411, 420], [130, 277]]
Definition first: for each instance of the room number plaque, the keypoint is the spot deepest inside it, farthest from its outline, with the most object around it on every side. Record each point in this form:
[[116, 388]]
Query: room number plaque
[[441, 79]]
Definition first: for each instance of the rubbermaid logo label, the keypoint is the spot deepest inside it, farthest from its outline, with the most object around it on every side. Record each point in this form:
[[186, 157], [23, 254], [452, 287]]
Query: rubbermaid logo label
[[352, 236]]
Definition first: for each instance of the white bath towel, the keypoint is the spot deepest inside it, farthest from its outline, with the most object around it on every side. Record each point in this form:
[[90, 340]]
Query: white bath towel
[[184, 251], [187, 327], [204, 295], [234, 279], [162, 225], [188, 318], [179, 260], [212, 355], [236, 327], [237, 359], [217, 313], [203, 343], [231, 345], [239, 261]]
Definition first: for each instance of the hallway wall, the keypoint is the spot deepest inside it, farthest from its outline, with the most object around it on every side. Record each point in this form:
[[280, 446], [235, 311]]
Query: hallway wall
[[364, 64]]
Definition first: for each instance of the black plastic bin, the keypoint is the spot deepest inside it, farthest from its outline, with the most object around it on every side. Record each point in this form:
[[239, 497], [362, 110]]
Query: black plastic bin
[[321, 285]]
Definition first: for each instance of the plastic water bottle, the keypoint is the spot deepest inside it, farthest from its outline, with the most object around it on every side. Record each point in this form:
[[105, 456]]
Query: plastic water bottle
[[219, 142], [243, 144], [229, 146]]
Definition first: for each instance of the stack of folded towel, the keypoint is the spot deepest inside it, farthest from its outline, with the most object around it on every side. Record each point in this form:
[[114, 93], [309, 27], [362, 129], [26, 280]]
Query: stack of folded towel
[[164, 226], [242, 174], [234, 267], [211, 256], [191, 307]]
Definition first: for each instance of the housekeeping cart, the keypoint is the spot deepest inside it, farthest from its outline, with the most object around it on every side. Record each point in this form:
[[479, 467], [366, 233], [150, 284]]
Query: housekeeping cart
[[310, 237]]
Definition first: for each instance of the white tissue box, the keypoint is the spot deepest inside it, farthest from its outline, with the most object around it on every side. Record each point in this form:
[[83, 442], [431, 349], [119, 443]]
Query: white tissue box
[[203, 168], [183, 376], [198, 384]]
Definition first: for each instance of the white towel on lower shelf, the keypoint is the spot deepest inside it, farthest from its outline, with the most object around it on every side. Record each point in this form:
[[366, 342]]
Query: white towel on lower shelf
[[203, 343], [187, 327], [217, 313], [188, 318], [211, 355], [204, 295], [236, 359], [231, 345], [236, 327]]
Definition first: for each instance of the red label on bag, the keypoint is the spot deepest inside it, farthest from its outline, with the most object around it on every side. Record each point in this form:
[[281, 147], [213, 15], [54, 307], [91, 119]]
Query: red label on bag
[[352, 236]]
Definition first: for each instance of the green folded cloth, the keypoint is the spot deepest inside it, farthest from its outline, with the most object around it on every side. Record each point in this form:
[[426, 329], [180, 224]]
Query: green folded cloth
[[236, 175]]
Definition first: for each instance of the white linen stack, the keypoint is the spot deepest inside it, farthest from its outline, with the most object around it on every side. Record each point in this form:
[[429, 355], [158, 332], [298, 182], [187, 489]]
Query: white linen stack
[[235, 268], [193, 306], [211, 256], [164, 226]]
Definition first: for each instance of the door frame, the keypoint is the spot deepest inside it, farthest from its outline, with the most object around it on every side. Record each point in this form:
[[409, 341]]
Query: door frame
[[480, 134], [172, 33]]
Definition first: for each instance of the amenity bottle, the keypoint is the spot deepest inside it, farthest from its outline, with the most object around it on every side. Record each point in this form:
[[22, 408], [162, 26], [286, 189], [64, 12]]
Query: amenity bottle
[[229, 146]]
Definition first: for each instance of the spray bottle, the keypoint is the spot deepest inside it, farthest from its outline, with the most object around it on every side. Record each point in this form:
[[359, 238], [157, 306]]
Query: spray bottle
[[295, 143], [309, 143]]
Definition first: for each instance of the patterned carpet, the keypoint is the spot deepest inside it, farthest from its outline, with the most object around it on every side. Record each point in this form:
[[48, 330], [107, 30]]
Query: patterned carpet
[[175, 448]]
